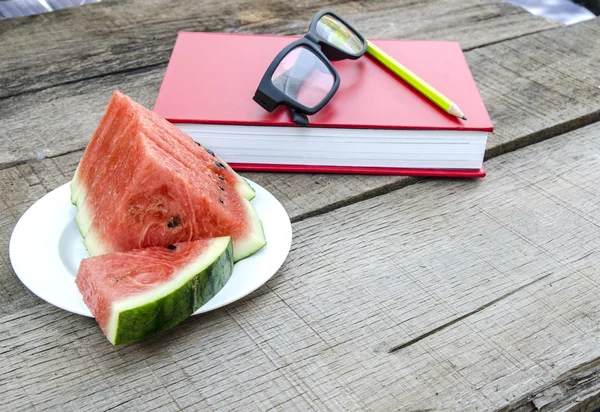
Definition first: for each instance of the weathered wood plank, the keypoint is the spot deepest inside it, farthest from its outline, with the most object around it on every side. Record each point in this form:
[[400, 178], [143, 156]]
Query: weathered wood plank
[[534, 87], [380, 273], [574, 391], [20, 187], [504, 271], [65, 121], [62, 119], [209, 375], [520, 80], [114, 36], [528, 84]]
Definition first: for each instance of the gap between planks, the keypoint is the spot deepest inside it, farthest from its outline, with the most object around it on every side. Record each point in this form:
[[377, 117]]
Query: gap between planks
[[163, 63], [135, 70], [533, 138], [145, 30]]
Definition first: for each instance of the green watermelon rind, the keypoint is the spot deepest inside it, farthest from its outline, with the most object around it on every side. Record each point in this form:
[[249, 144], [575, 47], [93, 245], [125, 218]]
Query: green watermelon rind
[[244, 188], [256, 239], [75, 190], [80, 218], [155, 311], [83, 220]]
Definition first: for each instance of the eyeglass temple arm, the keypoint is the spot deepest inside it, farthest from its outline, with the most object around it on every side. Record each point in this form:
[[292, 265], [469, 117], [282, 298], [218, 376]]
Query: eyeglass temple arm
[[300, 119]]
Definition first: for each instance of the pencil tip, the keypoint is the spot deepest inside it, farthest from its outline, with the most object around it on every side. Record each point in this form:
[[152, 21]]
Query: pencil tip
[[464, 118]]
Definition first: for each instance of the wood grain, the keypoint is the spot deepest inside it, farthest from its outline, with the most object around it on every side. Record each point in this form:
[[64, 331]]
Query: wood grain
[[20, 187], [117, 35], [380, 273], [520, 80], [576, 390], [517, 252], [445, 295], [539, 86], [62, 119]]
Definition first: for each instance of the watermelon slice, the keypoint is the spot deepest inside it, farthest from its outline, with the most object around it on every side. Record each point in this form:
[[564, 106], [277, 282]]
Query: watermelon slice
[[120, 111], [142, 182], [137, 294]]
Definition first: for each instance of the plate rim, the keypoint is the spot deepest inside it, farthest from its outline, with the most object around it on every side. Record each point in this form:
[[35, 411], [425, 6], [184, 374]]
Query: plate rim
[[14, 248]]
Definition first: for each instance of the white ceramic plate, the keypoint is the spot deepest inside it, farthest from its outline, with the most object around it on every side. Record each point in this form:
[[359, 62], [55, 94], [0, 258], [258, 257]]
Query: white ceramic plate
[[46, 248]]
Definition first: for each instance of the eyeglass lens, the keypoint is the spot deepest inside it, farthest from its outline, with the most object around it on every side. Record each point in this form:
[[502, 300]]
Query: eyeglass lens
[[302, 76], [338, 34]]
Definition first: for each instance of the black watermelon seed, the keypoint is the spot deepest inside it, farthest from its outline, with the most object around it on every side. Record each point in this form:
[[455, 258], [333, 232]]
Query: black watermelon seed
[[221, 187], [172, 247], [221, 177], [174, 222], [209, 151], [221, 201], [198, 144], [220, 165]]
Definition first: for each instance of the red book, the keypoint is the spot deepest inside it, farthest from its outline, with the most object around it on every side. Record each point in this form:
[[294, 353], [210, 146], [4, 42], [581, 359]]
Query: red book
[[374, 124]]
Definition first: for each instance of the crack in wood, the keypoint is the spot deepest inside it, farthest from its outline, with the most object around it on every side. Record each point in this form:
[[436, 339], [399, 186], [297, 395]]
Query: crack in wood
[[134, 70], [463, 317], [490, 43], [382, 190]]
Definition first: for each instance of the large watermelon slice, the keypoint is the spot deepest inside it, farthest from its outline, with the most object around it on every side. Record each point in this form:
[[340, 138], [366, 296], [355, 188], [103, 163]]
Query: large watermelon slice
[[121, 110], [142, 182], [137, 294]]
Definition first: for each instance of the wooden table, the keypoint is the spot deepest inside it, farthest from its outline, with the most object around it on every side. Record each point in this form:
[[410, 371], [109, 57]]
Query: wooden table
[[398, 294]]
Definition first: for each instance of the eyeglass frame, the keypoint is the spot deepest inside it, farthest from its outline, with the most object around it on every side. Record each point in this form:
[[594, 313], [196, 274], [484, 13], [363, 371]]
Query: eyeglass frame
[[269, 97]]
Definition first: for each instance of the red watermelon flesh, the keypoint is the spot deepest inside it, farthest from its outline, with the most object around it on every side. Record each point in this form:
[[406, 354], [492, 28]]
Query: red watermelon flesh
[[120, 113], [117, 118], [163, 202], [161, 133], [104, 176], [143, 196], [139, 293], [188, 151], [158, 188]]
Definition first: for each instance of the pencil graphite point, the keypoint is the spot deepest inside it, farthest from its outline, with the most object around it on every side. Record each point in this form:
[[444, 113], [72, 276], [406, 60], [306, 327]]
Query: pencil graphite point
[[456, 112]]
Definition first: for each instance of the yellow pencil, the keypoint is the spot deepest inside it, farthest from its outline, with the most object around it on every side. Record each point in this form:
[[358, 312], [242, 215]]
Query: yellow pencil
[[415, 81]]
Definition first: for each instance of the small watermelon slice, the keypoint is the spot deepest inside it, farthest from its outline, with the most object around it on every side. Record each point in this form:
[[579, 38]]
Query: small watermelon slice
[[143, 183], [137, 294]]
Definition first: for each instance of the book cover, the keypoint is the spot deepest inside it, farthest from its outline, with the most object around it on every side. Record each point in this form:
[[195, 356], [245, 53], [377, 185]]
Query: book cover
[[212, 77]]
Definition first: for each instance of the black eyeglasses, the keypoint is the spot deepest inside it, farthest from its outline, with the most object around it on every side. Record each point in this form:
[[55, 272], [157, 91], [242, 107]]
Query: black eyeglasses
[[301, 75]]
